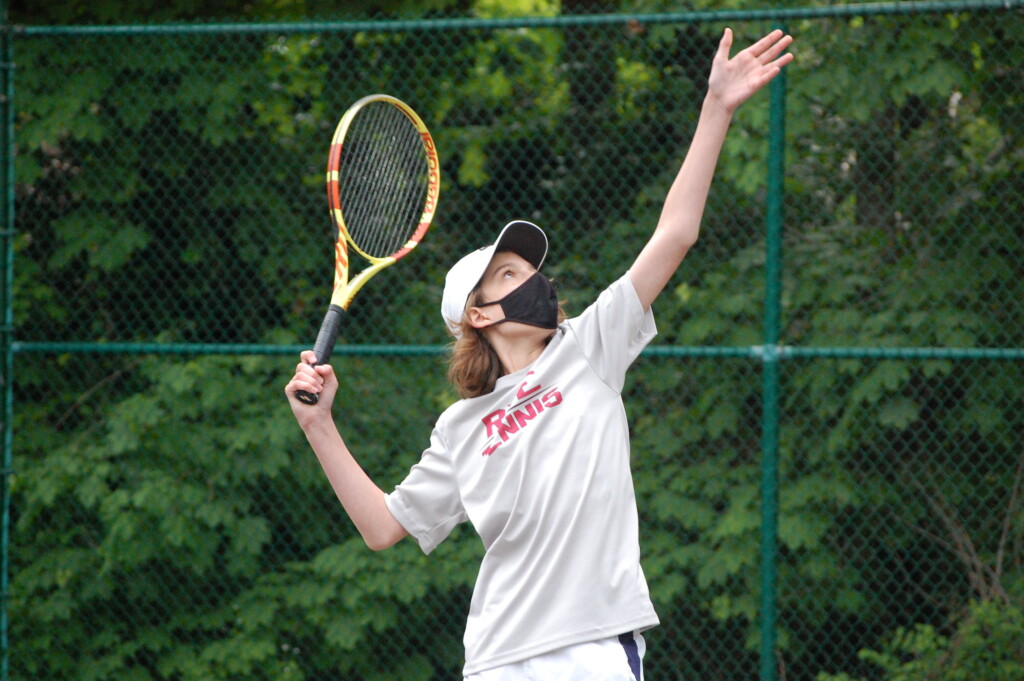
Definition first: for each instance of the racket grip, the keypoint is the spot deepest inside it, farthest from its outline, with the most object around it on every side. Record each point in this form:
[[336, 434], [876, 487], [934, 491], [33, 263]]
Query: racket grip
[[324, 346]]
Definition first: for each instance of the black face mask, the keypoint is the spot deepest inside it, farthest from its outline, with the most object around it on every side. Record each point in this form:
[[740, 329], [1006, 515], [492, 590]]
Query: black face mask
[[534, 302]]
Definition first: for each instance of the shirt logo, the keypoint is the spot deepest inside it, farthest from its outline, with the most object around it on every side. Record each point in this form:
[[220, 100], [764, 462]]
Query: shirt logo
[[502, 425]]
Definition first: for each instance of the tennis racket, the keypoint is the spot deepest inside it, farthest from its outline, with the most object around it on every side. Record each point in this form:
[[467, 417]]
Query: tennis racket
[[383, 181]]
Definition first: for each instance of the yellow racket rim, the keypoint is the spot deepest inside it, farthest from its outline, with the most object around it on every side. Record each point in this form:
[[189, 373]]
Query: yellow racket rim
[[345, 290]]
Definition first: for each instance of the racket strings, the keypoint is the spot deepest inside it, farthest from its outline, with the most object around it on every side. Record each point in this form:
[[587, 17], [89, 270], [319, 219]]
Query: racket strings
[[383, 179]]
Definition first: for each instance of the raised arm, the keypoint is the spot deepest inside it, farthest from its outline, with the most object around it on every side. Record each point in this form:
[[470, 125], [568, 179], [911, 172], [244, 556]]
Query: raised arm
[[732, 82], [362, 499]]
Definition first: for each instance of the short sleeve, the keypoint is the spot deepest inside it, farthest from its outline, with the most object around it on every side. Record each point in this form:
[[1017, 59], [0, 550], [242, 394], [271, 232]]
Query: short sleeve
[[427, 503], [614, 330]]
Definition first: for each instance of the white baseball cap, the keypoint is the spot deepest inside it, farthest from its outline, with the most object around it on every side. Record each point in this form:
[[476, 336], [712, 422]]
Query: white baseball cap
[[519, 236]]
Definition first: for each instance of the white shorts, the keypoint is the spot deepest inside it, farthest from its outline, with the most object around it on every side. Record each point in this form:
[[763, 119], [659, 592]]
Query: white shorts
[[619, 658]]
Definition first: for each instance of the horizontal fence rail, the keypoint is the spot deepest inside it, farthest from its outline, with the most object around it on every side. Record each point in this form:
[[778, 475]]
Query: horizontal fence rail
[[754, 351], [458, 24]]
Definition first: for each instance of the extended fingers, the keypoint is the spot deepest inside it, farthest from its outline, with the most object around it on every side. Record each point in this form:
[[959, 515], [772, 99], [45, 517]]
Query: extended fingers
[[767, 49], [765, 43], [771, 56]]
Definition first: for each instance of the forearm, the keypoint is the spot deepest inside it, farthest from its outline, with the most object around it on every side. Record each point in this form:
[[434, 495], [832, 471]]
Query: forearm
[[684, 205], [361, 498], [683, 209]]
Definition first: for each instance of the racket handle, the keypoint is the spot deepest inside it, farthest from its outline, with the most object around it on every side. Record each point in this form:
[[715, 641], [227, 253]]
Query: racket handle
[[324, 346]]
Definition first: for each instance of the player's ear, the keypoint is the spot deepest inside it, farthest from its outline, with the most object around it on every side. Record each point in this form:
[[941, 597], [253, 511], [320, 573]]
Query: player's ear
[[481, 317]]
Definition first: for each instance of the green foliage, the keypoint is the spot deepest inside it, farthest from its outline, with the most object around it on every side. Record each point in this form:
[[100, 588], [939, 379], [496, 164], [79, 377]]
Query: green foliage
[[985, 644], [192, 548]]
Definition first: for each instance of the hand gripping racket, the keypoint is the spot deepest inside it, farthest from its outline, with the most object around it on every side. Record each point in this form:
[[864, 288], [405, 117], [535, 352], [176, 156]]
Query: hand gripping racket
[[383, 180]]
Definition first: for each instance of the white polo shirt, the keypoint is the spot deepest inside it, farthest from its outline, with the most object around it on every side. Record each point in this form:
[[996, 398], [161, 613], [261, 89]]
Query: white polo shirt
[[540, 467]]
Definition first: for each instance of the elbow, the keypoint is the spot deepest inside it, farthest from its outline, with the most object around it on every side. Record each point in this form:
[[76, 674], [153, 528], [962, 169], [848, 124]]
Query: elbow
[[380, 530], [675, 250], [676, 242], [685, 241], [376, 544], [378, 541]]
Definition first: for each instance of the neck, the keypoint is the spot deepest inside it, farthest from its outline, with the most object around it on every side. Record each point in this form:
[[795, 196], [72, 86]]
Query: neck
[[520, 351]]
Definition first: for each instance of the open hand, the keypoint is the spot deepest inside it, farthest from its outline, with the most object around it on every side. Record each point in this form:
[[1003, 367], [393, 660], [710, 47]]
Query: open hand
[[733, 81]]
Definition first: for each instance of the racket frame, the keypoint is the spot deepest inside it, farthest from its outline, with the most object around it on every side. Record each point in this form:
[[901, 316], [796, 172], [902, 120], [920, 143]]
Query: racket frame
[[344, 290]]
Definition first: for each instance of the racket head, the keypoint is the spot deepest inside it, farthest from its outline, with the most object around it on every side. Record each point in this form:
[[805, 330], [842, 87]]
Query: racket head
[[383, 183]]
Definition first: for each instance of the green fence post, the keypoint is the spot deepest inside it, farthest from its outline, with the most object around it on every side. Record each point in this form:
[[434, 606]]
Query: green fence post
[[770, 381]]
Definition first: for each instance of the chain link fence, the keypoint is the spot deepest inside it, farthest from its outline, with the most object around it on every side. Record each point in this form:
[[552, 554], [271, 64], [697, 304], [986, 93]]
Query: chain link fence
[[832, 496]]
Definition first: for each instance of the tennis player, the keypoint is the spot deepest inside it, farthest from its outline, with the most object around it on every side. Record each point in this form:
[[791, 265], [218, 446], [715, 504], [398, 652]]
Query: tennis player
[[536, 453]]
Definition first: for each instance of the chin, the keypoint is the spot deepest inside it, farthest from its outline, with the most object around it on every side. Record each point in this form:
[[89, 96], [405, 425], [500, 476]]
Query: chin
[[512, 330]]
